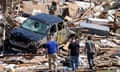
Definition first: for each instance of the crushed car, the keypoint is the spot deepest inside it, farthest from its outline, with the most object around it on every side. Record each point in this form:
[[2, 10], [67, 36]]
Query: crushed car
[[33, 33]]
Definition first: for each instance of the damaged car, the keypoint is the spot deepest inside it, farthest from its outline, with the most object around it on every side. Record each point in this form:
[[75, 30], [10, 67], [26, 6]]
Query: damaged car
[[34, 32]]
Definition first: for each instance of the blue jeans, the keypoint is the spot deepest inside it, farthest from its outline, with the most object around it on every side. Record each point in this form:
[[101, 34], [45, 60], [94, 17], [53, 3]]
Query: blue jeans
[[74, 61]]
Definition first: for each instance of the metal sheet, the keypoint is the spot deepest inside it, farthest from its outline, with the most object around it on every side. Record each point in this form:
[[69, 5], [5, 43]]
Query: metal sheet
[[94, 26]]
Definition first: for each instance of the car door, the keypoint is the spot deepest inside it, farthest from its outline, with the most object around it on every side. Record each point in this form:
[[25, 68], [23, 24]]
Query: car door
[[59, 31]]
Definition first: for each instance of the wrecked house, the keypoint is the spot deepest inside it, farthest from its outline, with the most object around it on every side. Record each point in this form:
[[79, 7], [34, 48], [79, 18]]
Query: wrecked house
[[107, 45]]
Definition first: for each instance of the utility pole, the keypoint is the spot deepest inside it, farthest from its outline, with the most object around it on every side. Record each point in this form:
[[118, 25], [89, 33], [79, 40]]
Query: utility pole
[[3, 5], [3, 8]]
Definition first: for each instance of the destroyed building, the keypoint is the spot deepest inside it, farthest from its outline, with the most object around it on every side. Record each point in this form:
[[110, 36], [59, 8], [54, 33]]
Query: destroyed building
[[82, 18]]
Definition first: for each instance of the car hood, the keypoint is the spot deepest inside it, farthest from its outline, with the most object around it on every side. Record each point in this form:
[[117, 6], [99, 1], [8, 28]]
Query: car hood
[[27, 34]]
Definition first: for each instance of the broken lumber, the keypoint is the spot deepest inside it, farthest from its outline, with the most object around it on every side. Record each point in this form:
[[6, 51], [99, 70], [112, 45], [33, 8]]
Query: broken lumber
[[114, 34]]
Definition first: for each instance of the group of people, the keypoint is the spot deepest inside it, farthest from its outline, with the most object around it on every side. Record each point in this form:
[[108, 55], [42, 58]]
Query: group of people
[[74, 52]]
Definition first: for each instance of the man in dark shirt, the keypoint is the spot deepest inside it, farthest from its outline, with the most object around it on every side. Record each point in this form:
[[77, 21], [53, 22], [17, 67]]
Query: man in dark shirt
[[90, 48], [74, 52]]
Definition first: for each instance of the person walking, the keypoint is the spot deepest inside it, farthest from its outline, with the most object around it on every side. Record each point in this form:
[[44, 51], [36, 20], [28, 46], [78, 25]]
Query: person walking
[[90, 48], [74, 53], [52, 49]]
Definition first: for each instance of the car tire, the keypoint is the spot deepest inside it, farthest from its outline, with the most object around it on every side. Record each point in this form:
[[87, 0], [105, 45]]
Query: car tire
[[32, 49], [6, 46]]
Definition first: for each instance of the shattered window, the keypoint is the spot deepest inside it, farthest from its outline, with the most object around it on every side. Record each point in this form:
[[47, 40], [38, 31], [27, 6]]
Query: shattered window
[[60, 26], [35, 26], [53, 29]]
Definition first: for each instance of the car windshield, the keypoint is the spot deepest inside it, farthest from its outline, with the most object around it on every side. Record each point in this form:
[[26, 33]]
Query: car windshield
[[35, 26]]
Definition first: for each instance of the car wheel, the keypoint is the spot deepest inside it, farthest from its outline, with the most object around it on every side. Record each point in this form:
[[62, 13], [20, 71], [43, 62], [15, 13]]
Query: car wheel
[[6, 46], [32, 49]]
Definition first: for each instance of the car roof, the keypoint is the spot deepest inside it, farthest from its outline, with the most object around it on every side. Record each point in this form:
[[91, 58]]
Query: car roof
[[46, 18]]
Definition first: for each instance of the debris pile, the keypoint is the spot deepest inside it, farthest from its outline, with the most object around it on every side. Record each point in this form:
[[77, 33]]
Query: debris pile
[[99, 19]]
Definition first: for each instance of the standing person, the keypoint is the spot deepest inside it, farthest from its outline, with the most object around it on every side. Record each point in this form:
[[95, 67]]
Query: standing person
[[90, 48], [53, 8], [52, 49], [74, 53]]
